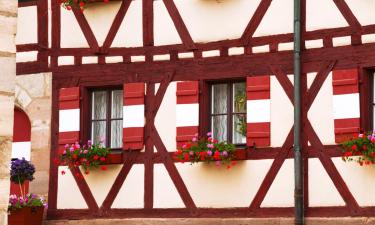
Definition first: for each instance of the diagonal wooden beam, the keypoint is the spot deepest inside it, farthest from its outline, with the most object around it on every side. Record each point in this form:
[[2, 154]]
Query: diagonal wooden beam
[[272, 172], [169, 164], [84, 189], [179, 24], [284, 82], [86, 29], [112, 194], [332, 171], [173, 172], [348, 14], [116, 25], [318, 82], [255, 21]]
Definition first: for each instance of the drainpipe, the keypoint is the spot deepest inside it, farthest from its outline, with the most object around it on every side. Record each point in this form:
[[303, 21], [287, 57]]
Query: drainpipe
[[298, 163]]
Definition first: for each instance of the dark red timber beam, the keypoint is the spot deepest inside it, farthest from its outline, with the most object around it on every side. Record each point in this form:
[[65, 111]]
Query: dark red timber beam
[[179, 24], [86, 29], [351, 19], [148, 22], [115, 25], [255, 21]]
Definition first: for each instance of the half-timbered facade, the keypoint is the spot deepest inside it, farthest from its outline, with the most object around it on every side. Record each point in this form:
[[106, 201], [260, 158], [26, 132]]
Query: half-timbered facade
[[148, 75]]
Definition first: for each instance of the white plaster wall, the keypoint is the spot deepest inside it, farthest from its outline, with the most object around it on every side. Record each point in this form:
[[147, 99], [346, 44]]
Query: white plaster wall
[[132, 191], [211, 20], [281, 114], [277, 20], [27, 25], [321, 111], [68, 195], [322, 191], [281, 192], [165, 120], [165, 192], [359, 179], [363, 10], [322, 14], [211, 186], [100, 182]]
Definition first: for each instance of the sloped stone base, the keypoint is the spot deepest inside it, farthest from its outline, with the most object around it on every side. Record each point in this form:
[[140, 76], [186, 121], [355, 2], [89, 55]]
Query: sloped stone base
[[217, 221]]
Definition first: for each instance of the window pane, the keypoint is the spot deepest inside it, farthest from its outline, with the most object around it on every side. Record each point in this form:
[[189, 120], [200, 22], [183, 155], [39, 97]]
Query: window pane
[[373, 89], [219, 127], [116, 134], [117, 104], [239, 97], [219, 98], [239, 129], [98, 132], [99, 105]]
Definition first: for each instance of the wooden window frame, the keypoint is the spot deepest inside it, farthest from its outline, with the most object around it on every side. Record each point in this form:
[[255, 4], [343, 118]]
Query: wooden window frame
[[366, 87], [205, 103], [87, 114]]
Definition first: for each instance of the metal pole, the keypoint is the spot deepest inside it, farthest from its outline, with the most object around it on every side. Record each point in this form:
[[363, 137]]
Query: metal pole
[[298, 163]]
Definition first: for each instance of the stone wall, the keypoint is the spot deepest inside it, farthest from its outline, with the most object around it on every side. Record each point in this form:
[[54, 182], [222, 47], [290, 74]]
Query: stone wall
[[33, 96], [8, 25]]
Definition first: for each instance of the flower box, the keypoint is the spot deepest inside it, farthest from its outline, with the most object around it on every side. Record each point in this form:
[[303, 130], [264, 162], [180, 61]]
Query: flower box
[[26, 216]]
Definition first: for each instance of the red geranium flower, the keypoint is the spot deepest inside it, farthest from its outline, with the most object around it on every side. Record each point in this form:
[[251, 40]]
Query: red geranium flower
[[354, 147], [62, 172], [102, 159], [103, 168], [96, 157]]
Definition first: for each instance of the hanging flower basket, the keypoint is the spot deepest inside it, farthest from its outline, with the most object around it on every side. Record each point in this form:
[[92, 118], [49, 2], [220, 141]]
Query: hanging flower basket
[[208, 149], [68, 4], [88, 156], [360, 149]]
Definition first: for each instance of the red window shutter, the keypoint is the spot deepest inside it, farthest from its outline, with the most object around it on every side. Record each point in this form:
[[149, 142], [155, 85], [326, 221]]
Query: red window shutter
[[187, 111], [346, 108], [69, 116], [133, 116], [258, 100]]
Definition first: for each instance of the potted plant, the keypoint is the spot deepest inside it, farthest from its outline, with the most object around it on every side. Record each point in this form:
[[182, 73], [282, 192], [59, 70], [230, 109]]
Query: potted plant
[[207, 149], [88, 156], [68, 4], [360, 149], [25, 209]]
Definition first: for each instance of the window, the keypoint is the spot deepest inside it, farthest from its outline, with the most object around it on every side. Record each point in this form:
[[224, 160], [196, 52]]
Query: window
[[228, 112], [106, 117]]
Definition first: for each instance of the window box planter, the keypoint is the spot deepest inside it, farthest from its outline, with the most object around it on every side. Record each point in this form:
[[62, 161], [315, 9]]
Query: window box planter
[[26, 216]]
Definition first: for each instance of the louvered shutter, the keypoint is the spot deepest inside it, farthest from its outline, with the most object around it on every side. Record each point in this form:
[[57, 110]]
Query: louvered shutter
[[258, 111], [346, 107], [133, 116], [187, 111], [69, 116]]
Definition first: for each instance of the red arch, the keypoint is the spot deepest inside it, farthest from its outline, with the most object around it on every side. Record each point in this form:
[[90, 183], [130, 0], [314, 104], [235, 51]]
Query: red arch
[[21, 127]]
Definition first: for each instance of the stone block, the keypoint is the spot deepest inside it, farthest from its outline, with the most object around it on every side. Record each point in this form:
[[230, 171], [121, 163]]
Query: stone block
[[39, 186], [48, 84], [6, 115], [7, 45], [9, 6], [40, 158], [8, 74], [34, 84], [39, 112], [23, 99], [8, 23]]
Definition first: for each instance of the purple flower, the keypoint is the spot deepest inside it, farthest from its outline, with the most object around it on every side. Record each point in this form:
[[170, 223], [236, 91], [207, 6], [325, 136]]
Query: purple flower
[[209, 153], [89, 142], [191, 153], [369, 137], [21, 170], [209, 134], [224, 153]]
